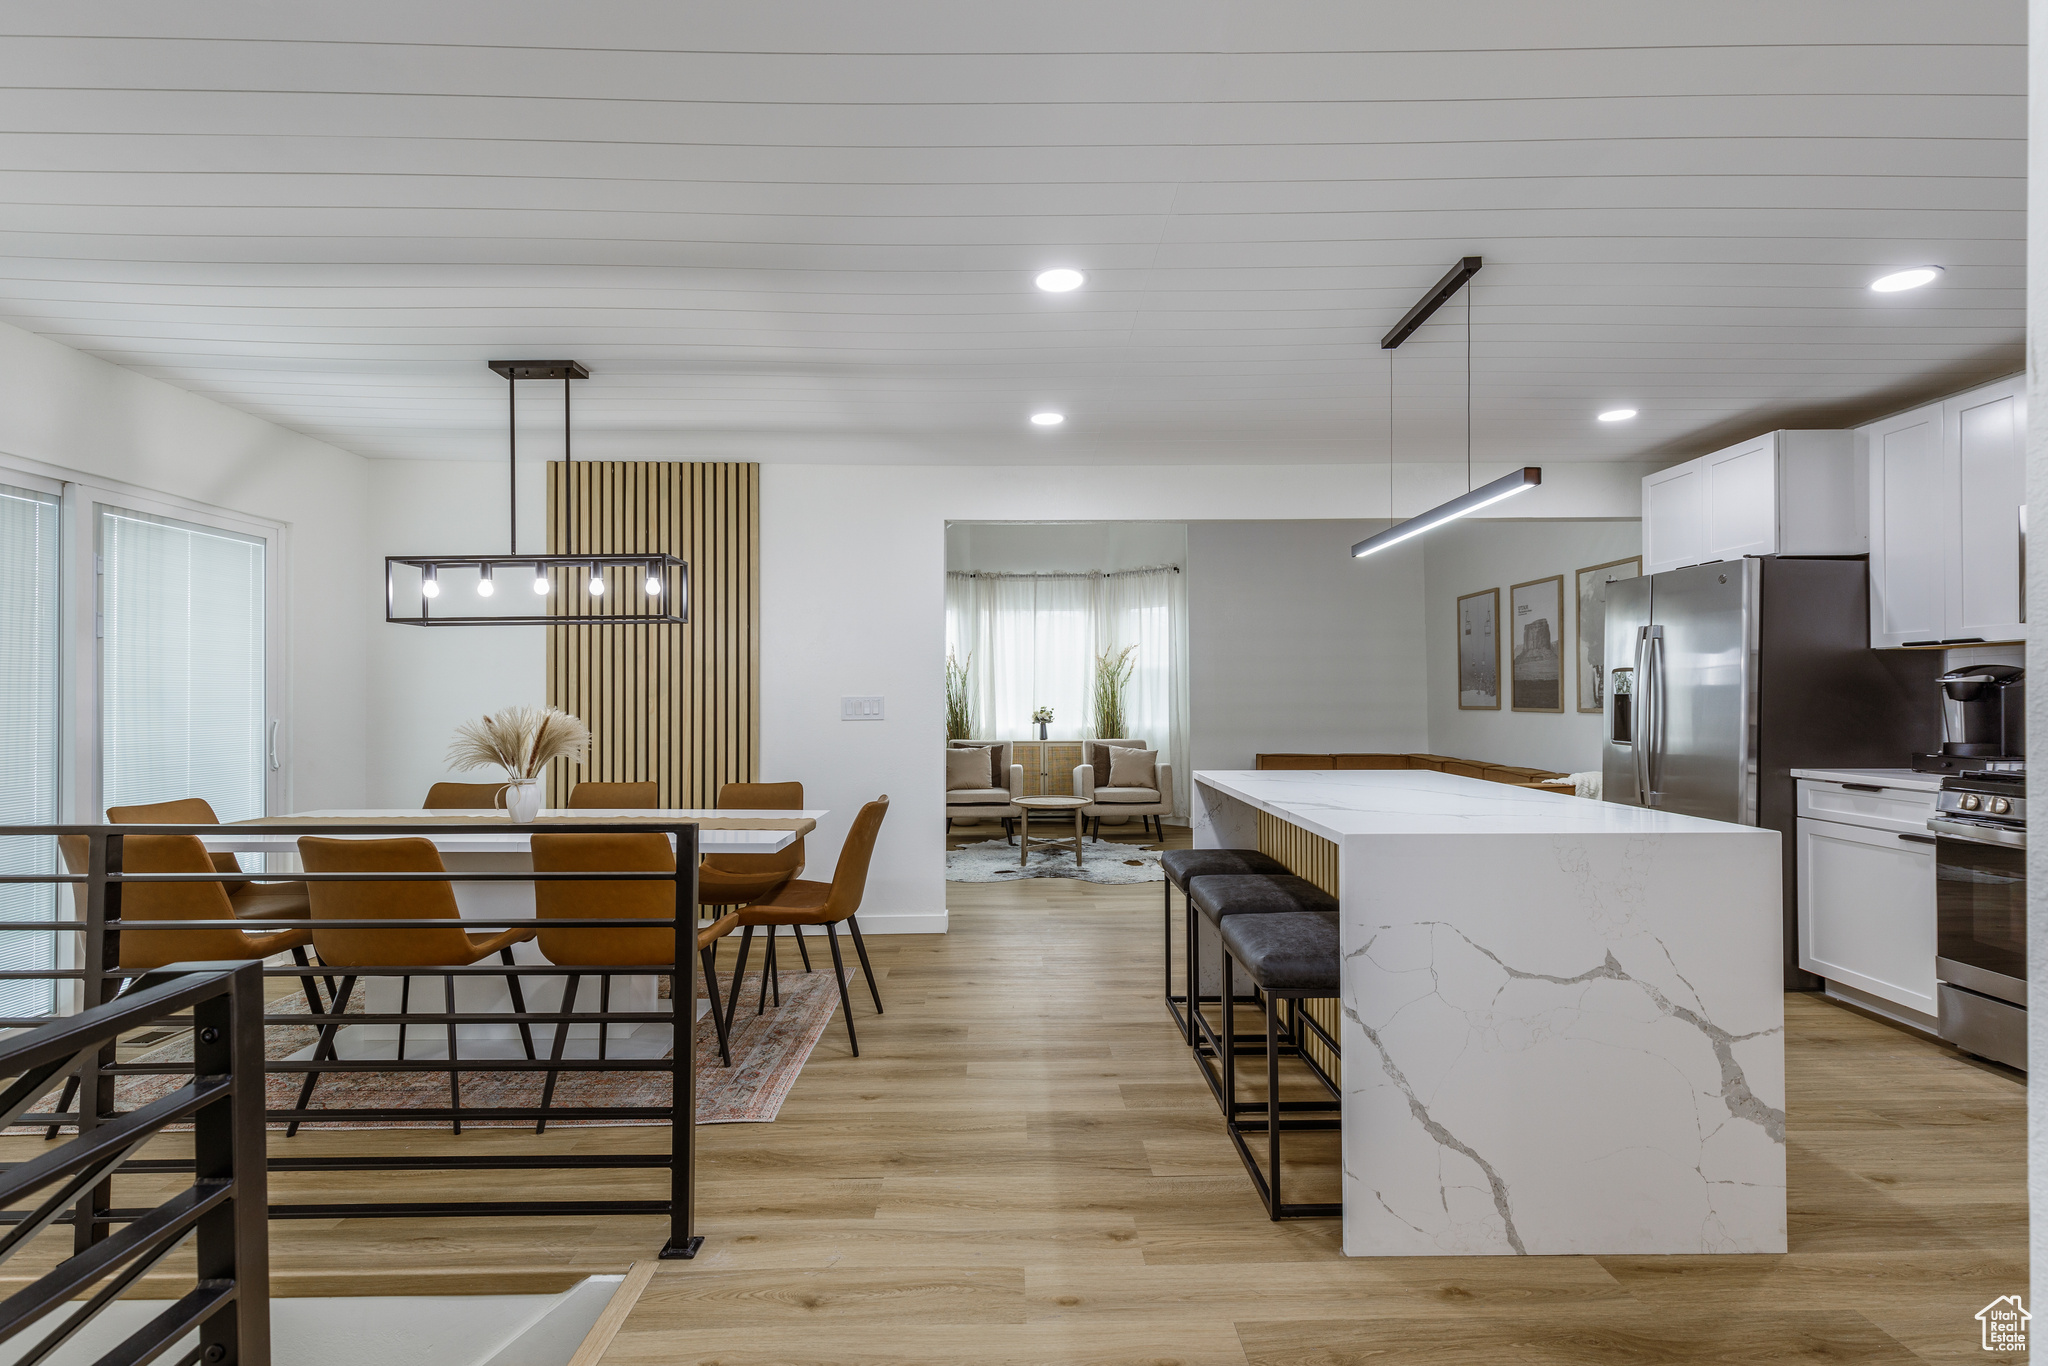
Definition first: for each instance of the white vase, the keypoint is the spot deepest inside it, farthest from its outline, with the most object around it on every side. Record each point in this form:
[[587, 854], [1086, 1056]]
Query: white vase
[[521, 800]]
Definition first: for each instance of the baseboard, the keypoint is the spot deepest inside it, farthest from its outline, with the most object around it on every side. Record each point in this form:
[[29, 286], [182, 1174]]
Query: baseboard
[[884, 922]]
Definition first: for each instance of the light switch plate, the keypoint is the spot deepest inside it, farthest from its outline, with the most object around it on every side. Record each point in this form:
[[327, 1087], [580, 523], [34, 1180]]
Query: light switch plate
[[860, 708]]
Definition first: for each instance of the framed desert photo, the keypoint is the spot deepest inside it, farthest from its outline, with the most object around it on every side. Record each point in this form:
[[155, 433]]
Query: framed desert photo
[[1536, 644], [1479, 651], [1591, 626]]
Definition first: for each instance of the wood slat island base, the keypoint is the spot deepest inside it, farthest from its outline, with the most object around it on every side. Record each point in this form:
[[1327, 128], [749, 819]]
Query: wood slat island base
[[1024, 1167]]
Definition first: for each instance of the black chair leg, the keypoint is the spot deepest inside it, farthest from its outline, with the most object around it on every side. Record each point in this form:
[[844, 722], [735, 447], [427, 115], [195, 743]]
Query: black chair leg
[[454, 1077], [518, 1002], [797, 933], [604, 1008], [717, 1020], [839, 972], [1272, 1108], [547, 1090], [767, 972], [312, 991], [404, 1007], [860, 947], [739, 974], [323, 1049]]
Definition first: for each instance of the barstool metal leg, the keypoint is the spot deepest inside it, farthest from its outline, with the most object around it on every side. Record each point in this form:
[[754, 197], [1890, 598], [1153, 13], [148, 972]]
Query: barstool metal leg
[[1272, 1107]]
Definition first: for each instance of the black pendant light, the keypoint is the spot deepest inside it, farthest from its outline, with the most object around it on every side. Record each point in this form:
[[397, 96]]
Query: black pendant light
[[1473, 499], [571, 589]]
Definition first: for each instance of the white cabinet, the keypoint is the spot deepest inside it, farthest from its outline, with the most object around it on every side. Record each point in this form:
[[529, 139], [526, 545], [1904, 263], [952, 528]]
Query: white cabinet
[[1782, 493], [1947, 482], [1866, 911]]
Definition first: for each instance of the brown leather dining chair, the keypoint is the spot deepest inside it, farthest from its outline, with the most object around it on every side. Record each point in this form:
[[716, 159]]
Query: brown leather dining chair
[[463, 797], [615, 796], [801, 903], [614, 947], [742, 879], [370, 949], [273, 900], [142, 950]]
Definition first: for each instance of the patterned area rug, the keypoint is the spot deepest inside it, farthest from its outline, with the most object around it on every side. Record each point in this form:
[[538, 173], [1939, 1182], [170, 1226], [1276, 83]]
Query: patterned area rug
[[768, 1051], [1101, 861]]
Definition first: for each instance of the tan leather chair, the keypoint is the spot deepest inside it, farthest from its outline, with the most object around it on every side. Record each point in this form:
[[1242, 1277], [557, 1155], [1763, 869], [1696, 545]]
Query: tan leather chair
[[802, 903], [371, 949], [463, 797], [613, 947], [252, 900], [742, 879], [617, 796]]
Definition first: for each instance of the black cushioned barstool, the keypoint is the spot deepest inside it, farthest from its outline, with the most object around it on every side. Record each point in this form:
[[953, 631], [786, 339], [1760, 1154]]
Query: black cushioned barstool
[[1291, 956], [1183, 866], [1223, 896]]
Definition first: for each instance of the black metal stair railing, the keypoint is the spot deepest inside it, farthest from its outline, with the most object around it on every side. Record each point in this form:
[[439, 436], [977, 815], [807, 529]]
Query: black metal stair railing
[[98, 979], [223, 1209]]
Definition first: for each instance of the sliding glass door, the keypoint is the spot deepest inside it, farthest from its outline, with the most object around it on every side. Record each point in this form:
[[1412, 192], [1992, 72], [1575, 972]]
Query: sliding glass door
[[183, 630], [31, 716]]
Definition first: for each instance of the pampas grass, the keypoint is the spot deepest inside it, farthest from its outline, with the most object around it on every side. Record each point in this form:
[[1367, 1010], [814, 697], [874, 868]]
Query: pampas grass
[[1112, 676], [520, 740], [959, 708]]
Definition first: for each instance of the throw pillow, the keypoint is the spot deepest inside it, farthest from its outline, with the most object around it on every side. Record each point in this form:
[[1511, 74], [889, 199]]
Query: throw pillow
[[967, 768], [1133, 767]]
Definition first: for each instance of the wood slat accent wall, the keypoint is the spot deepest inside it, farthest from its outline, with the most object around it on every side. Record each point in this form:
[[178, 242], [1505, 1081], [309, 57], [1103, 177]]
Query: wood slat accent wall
[[675, 705], [1308, 855]]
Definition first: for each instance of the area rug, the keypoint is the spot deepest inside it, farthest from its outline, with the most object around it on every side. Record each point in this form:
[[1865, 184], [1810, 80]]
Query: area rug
[[1101, 861], [768, 1051]]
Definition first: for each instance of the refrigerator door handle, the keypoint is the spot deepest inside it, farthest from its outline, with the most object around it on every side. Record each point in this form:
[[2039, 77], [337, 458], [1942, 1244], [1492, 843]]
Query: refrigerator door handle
[[1641, 748], [1652, 747]]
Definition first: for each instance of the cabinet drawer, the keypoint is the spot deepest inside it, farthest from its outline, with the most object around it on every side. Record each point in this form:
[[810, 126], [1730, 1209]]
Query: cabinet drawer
[[1866, 911], [1895, 809]]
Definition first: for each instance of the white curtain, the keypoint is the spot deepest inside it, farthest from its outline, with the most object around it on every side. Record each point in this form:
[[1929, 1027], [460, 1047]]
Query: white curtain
[[29, 736], [1031, 640]]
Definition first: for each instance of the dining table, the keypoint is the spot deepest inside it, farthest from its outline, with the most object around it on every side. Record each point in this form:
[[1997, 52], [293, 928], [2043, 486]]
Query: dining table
[[491, 842]]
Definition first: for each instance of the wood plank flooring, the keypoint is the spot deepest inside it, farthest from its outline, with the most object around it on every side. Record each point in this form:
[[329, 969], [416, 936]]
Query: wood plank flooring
[[1024, 1166]]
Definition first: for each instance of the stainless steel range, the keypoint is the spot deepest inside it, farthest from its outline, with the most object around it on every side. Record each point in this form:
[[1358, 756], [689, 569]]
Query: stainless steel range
[[1980, 861]]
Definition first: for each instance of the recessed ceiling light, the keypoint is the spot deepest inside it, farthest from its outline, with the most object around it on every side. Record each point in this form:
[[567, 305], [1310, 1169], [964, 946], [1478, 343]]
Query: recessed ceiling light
[[1047, 419], [1905, 279], [1060, 281], [1617, 414]]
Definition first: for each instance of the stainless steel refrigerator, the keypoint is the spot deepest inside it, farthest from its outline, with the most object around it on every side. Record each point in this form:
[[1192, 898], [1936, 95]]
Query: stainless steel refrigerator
[[1722, 678]]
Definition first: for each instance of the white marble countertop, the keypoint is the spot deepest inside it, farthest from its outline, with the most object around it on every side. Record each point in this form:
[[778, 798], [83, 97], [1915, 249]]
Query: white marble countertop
[[1876, 777], [1344, 802]]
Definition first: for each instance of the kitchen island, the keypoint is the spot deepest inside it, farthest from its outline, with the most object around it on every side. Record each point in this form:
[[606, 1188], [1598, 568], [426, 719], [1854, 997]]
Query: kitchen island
[[1563, 1020]]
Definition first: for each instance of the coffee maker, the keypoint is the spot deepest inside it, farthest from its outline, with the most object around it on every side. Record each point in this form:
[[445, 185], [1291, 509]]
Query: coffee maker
[[1983, 720]]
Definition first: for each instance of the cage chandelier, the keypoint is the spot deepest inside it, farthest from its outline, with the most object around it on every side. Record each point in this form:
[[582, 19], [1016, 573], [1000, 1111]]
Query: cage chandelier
[[570, 589]]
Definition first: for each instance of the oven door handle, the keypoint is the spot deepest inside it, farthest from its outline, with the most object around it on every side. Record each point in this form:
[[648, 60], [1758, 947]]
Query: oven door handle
[[1917, 839], [1979, 834]]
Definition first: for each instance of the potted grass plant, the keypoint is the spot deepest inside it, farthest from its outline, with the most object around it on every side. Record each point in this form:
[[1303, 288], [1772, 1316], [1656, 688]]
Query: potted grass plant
[[522, 741], [959, 709], [1112, 675]]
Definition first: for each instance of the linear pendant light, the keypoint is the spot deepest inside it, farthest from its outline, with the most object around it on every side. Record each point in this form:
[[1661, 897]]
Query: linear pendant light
[[654, 589], [1522, 480]]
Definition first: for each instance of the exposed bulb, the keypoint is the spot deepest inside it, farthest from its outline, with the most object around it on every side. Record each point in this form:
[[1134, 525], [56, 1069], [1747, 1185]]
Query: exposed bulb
[[596, 585], [430, 587], [653, 584], [540, 582], [484, 586]]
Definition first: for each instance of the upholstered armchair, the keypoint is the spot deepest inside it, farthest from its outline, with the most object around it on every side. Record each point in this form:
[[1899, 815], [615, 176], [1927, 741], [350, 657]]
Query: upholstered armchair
[[992, 800], [1091, 780]]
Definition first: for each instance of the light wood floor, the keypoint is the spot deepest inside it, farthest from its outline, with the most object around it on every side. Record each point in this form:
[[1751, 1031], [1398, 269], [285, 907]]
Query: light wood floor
[[1023, 1166]]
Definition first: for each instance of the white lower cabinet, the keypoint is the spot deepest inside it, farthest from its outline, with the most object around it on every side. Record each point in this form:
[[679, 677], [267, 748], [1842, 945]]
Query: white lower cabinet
[[1866, 910]]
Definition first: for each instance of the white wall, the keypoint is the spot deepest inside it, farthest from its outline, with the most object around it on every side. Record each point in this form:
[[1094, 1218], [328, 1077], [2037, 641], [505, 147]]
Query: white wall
[[1296, 647], [852, 602], [73, 412], [1469, 557], [1050, 547], [2037, 646], [422, 681]]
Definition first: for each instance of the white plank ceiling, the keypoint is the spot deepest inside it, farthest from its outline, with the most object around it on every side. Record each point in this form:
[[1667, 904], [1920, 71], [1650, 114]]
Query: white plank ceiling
[[807, 230]]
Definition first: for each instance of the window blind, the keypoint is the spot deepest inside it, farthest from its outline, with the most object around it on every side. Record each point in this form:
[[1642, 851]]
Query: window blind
[[29, 719], [182, 703]]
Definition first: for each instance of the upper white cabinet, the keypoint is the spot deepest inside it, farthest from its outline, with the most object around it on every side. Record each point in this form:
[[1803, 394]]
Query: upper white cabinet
[[1782, 493], [1947, 483]]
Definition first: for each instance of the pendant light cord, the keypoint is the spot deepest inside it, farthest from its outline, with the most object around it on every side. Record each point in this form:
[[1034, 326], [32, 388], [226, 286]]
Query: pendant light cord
[[568, 475], [1468, 386], [512, 458]]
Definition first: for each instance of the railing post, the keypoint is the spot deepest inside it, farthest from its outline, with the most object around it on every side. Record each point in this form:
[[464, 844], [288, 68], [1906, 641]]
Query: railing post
[[95, 1087], [682, 1173], [228, 1146]]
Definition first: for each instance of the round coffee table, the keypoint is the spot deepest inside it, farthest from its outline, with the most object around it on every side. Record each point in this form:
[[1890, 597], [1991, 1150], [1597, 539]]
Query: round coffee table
[[1050, 806]]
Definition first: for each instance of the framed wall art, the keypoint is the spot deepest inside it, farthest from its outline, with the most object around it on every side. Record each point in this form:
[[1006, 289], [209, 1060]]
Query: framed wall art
[[1536, 644], [1479, 651], [1591, 626]]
